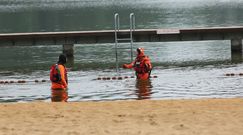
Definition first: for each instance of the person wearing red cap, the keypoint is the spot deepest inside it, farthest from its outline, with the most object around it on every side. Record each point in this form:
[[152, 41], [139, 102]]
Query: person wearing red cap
[[141, 65]]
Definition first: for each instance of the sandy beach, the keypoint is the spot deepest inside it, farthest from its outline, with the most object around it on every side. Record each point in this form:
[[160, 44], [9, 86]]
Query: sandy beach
[[144, 117]]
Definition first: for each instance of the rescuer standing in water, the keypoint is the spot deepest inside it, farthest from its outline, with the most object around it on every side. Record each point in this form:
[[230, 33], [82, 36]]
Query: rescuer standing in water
[[141, 65], [58, 77]]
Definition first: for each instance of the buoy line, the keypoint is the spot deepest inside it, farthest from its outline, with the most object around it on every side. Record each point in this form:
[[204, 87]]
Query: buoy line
[[120, 77], [233, 74], [21, 81]]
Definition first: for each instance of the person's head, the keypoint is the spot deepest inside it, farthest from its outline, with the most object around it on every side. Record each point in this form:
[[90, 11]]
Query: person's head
[[62, 59], [140, 51]]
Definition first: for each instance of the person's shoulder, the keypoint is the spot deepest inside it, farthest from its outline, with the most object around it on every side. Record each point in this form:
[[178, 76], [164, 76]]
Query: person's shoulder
[[60, 66]]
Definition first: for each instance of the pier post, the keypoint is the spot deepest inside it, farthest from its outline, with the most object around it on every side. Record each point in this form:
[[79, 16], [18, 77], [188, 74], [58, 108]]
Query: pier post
[[236, 50], [68, 51]]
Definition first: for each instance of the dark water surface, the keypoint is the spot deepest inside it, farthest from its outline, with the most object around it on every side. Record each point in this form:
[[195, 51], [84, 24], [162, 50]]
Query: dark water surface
[[184, 69], [66, 15]]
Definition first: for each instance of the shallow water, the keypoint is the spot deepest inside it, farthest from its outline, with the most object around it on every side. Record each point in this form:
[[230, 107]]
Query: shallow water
[[185, 74], [184, 69]]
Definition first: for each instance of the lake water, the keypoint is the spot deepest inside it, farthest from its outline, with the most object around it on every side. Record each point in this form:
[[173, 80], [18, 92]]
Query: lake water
[[184, 69]]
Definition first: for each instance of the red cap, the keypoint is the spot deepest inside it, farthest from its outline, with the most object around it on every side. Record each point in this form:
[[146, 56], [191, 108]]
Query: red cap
[[140, 51]]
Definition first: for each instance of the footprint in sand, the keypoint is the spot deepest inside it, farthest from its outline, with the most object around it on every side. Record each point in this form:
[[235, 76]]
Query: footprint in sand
[[180, 127]]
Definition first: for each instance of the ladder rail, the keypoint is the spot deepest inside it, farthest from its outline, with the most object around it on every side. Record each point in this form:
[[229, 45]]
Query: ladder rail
[[117, 29], [132, 28]]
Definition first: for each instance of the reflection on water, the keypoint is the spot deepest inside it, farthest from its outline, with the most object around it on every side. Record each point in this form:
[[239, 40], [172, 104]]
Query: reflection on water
[[59, 95], [144, 88], [236, 57]]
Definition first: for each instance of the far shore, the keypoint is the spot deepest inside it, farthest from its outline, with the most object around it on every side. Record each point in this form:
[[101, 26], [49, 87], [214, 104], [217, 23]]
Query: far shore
[[137, 117]]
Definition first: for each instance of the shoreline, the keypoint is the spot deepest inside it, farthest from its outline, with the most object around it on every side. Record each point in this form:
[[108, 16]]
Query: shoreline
[[132, 117]]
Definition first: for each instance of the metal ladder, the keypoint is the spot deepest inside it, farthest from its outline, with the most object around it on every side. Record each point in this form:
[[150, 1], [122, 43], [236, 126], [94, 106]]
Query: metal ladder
[[117, 40]]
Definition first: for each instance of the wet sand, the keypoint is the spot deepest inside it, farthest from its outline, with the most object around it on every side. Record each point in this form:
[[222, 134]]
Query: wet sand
[[144, 117]]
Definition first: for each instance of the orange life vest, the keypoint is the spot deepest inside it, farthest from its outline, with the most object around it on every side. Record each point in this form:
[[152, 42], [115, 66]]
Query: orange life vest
[[142, 65], [62, 84]]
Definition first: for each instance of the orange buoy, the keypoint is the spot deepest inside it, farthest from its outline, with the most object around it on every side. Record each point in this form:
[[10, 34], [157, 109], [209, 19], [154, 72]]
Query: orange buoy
[[23, 81], [227, 74], [43, 80], [155, 76]]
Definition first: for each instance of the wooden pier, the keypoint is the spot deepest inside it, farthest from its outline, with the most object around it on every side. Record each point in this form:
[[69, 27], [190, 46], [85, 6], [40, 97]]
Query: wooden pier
[[70, 38]]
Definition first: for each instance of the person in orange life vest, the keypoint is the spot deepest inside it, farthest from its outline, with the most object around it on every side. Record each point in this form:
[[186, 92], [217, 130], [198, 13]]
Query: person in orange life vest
[[141, 65], [63, 82]]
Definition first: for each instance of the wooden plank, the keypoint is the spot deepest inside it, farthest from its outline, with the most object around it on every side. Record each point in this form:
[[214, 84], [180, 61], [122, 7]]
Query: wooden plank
[[140, 35], [168, 31], [213, 29]]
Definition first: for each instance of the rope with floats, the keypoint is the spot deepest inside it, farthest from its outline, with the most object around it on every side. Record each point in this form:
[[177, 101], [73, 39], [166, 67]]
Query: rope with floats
[[43, 81], [233, 74], [120, 77], [99, 78], [22, 81]]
